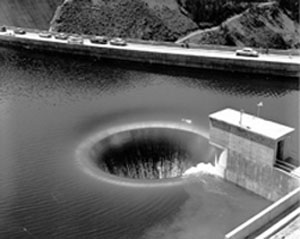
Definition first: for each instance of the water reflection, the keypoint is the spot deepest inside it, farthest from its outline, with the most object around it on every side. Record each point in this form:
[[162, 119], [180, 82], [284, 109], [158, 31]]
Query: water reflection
[[238, 84], [98, 77]]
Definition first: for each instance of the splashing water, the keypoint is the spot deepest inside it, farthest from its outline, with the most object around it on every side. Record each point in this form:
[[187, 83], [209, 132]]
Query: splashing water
[[203, 168], [214, 207]]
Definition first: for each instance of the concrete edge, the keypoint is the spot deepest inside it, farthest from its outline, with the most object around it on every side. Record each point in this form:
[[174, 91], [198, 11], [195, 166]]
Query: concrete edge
[[265, 216], [279, 225]]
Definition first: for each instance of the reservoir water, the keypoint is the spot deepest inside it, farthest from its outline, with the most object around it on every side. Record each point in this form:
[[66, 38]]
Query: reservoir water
[[50, 104]]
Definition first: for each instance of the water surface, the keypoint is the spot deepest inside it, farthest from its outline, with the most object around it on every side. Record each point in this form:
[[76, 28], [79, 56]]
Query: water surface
[[50, 104]]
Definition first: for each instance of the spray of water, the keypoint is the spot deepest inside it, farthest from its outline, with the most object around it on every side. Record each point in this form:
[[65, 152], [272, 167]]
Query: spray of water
[[208, 205], [202, 168]]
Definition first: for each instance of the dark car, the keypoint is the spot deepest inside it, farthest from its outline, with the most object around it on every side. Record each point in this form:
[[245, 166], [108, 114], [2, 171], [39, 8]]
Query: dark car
[[98, 40], [118, 41], [20, 31], [61, 36], [45, 34], [3, 29]]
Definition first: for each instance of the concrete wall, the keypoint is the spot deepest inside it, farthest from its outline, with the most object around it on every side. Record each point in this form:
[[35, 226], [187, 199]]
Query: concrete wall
[[182, 59], [244, 143], [268, 182], [247, 229], [250, 161]]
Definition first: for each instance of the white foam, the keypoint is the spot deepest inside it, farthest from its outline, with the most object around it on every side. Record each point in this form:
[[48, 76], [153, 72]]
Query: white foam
[[203, 168]]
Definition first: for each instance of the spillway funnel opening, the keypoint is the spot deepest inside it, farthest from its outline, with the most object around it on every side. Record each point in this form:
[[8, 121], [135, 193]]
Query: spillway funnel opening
[[147, 153]]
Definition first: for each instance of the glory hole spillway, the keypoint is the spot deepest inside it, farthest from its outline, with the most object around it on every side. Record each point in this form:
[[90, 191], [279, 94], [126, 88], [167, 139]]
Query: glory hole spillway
[[63, 119], [143, 154], [145, 151]]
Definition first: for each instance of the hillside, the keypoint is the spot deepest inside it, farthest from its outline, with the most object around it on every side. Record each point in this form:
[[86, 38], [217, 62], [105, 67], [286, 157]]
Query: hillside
[[142, 19], [28, 13], [264, 25], [213, 12], [222, 22]]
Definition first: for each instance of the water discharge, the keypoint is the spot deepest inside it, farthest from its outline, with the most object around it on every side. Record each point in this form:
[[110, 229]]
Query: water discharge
[[210, 204], [144, 151], [203, 168]]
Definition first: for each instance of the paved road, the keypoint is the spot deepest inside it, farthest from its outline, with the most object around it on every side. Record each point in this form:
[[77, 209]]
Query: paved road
[[290, 231], [170, 49]]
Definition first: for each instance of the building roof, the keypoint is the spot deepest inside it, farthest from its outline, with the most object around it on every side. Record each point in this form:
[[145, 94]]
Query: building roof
[[252, 123]]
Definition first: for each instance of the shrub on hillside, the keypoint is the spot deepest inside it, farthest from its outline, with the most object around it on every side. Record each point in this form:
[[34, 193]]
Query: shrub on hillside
[[291, 7], [123, 18], [215, 11]]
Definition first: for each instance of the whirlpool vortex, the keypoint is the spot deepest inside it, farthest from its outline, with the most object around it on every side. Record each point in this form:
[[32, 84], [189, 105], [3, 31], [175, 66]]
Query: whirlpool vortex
[[148, 152]]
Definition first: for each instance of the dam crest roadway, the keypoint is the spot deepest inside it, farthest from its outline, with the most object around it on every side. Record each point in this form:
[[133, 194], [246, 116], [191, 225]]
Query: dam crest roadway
[[157, 53]]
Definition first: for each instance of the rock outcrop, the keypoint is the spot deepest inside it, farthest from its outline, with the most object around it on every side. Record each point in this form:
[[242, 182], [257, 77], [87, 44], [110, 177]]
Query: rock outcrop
[[263, 25], [142, 19]]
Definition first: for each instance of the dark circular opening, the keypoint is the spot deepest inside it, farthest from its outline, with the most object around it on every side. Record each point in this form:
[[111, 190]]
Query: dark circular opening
[[148, 153]]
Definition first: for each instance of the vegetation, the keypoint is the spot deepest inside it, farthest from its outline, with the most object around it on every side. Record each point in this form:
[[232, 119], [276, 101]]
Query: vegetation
[[123, 18], [260, 26], [291, 7], [236, 22], [214, 12]]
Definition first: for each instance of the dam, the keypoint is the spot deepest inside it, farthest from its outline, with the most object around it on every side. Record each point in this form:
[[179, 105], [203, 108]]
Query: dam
[[157, 53], [52, 105]]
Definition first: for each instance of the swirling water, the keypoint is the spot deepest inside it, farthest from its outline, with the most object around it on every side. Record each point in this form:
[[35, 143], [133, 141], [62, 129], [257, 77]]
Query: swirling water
[[50, 104]]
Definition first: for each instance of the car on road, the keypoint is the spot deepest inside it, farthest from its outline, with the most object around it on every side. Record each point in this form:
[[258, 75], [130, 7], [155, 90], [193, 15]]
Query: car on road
[[75, 40], [61, 36], [19, 31], [45, 34], [117, 41], [99, 40], [3, 29], [247, 51]]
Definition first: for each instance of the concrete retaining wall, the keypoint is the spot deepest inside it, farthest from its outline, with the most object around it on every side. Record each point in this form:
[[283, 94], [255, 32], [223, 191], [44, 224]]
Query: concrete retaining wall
[[247, 229], [268, 182], [165, 58]]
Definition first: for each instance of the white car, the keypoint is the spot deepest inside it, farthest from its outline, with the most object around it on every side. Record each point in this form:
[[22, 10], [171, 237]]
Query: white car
[[45, 34], [247, 51], [61, 36], [75, 40], [118, 41]]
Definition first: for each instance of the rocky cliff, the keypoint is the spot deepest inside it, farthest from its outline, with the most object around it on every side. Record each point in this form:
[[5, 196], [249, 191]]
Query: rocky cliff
[[142, 19], [264, 25]]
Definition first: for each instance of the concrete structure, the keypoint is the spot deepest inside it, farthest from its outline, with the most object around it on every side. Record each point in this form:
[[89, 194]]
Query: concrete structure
[[251, 149], [165, 54], [269, 221]]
